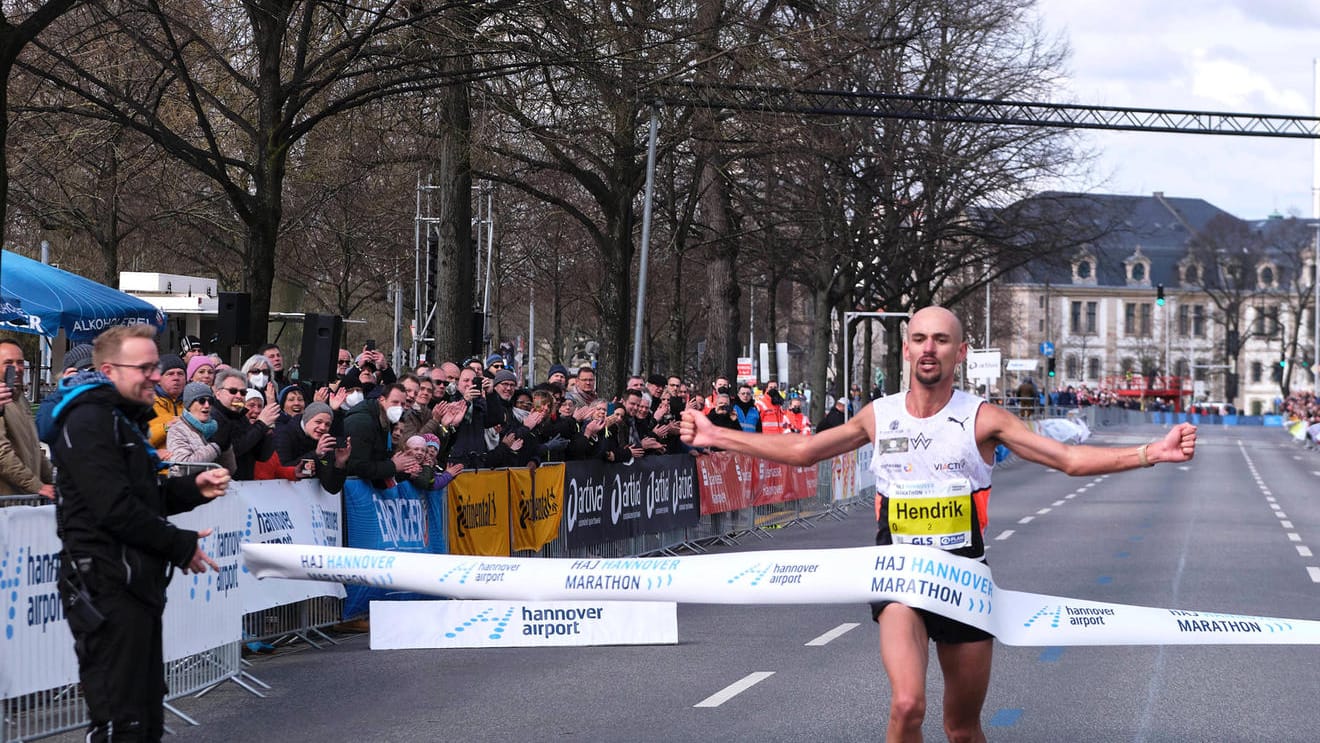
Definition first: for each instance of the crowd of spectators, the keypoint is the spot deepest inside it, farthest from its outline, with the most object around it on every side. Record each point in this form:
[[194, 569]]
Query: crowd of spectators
[[424, 425]]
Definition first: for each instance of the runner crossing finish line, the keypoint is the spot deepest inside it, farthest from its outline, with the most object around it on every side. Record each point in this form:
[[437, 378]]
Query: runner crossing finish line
[[921, 577]]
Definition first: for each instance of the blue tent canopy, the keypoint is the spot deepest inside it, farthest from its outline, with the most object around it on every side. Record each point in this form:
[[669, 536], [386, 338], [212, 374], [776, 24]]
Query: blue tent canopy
[[40, 299]]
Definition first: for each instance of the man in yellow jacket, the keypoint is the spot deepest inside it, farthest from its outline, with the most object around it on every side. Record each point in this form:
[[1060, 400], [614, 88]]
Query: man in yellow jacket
[[169, 396]]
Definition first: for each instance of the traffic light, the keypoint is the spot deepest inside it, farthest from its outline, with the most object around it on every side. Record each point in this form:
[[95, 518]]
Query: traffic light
[[1050, 367], [1159, 294]]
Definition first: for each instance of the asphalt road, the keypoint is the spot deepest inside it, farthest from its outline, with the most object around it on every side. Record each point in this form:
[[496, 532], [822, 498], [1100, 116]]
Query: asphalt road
[[1231, 532]]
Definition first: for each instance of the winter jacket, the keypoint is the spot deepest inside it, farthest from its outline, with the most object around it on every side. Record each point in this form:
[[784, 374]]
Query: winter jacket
[[167, 410], [111, 505], [23, 466], [186, 444]]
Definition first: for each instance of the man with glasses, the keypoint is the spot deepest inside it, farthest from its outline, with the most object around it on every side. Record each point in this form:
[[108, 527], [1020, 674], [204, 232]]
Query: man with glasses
[[251, 441], [23, 467], [494, 363], [344, 362], [584, 394], [119, 550]]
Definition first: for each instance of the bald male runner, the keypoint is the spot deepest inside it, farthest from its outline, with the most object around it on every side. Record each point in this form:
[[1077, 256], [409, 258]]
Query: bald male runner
[[916, 436]]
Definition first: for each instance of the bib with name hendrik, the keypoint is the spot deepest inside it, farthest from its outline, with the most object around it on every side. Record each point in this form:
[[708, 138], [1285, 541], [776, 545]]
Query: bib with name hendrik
[[934, 513]]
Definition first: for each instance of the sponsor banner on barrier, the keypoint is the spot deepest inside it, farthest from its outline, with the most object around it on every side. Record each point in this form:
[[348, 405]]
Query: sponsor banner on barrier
[[668, 489], [537, 500], [865, 477], [721, 488], [584, 504], [283, 512], [36, 649], [404, 625], [401, 519], [843, 474], [202, 611], [922, 577], [479, 513], [205, 610], [773, 482]]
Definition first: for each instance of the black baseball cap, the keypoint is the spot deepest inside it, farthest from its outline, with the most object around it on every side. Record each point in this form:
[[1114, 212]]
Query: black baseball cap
[[190, 343]]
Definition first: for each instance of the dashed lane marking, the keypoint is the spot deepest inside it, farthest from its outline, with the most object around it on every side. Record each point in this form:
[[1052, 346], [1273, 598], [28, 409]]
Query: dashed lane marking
[[1314, 572], [833, 634], [1286, 524], [1057, 503], [1004, 535], [1303, 550], [1043, 511], [1026, 519], [734, 689], [1294, 537]]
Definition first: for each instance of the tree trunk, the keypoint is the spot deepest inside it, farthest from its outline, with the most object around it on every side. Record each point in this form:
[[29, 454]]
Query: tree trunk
[[455, 266]]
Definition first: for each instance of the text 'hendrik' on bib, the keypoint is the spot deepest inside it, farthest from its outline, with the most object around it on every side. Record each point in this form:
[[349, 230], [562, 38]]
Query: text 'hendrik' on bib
[[931, 513]]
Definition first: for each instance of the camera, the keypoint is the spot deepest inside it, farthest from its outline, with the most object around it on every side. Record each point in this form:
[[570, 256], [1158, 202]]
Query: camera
[[370, 345], [11, 377], [725, 390]]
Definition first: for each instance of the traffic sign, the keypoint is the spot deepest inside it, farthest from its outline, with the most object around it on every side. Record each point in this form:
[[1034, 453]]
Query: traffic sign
[[1047, 349]]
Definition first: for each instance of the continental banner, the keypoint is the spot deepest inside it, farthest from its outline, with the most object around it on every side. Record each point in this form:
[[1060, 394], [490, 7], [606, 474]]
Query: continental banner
[[538, 498], [479, 513], [921, 577], [399, 519]]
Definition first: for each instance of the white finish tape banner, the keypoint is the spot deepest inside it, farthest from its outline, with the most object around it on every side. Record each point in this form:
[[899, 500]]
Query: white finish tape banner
[[921, 577], [402, 625]]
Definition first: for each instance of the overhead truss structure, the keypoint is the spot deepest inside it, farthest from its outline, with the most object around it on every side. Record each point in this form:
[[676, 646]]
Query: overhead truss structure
[[982, 111]]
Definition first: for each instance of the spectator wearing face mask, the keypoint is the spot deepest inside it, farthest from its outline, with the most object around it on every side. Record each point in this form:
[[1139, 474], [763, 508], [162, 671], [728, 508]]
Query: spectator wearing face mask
[[369, 426], [795, 421], [258, 374]]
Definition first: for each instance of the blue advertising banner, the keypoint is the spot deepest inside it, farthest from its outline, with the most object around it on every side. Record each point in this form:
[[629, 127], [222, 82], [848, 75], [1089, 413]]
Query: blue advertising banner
[[399, 519]]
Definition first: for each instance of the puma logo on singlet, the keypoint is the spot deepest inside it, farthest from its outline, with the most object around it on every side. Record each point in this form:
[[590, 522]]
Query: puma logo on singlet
[[961, 423]]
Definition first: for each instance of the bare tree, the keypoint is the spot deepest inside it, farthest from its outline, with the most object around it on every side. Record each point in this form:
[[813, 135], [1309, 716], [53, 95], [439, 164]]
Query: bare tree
[[1228, 252]]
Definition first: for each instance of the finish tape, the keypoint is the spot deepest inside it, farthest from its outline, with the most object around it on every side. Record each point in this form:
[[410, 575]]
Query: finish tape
[[921, 577]]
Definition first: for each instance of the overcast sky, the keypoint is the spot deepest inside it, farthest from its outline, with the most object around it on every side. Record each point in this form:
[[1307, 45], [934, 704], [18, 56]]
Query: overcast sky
[[1241, 56]]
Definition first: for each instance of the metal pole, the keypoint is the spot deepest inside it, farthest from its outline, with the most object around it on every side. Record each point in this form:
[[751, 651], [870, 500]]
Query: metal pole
[[46, 355], [397, 354], [417, 269], [531, 342], [490, 254], [646, 238], [1315, 213], [847, 365]]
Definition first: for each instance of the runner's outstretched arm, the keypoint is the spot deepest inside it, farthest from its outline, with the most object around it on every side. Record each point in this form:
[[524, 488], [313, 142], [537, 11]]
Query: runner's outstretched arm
[[995, 423], [697, 430]]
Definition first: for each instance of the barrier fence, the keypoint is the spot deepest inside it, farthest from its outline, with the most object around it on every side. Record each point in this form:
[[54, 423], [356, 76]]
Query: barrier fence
[[656, 505]]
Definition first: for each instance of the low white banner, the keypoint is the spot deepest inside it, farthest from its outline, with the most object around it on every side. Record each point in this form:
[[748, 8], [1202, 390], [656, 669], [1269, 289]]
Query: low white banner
[[36, 649], [1018, 365], [921, 577], [402, 625], [283, 512]]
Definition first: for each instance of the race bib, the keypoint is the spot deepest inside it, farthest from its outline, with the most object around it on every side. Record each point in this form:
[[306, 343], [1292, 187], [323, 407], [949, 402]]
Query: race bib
[[931, 513]]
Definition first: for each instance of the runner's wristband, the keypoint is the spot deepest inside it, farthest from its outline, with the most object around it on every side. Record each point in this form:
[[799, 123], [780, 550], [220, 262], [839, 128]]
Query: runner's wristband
[[1141, 456]]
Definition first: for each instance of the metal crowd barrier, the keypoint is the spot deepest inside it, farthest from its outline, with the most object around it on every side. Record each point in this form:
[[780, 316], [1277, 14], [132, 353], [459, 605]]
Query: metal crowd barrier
[[53, 711]]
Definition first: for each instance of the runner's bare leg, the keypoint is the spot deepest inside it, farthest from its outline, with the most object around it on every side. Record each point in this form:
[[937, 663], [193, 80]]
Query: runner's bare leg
[[966, 668], [905, 652]]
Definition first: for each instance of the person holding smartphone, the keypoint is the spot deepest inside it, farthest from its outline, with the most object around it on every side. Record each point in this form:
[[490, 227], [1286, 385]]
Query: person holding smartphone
[[24, 468]]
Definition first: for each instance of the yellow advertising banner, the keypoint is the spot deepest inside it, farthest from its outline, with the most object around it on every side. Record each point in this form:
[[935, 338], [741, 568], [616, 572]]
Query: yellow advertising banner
[[479, 514], [538, 498]]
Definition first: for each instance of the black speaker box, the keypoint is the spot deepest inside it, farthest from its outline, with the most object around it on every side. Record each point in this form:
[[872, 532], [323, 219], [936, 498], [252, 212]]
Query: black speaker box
[[320, 348], [233, 324]]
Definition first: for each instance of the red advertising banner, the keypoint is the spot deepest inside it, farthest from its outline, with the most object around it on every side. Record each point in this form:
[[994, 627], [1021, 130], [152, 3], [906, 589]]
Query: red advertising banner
[[778, 483], [725, 482]]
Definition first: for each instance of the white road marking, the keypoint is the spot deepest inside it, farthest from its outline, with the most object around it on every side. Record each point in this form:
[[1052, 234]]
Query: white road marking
[[1070, 496], [734, 689], [1026, 519], [1294, 537], [1281, 514], [1297, 458], [1184, 467], [1057, 503], [1271, 499], [1266, 492], [1317, 474], [1303, 550], [1314, 572], [1044, 511], [832, 634], [1275, 506], [1286, 524], [1004, 535]]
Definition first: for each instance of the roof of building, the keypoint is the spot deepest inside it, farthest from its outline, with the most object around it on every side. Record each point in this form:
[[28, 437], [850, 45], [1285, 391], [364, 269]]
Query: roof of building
[[1157, 227]]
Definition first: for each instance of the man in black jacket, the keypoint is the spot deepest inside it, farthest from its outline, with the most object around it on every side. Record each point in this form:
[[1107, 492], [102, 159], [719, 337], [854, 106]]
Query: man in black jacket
[[119, 551], [374, 456], [251, 442]]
